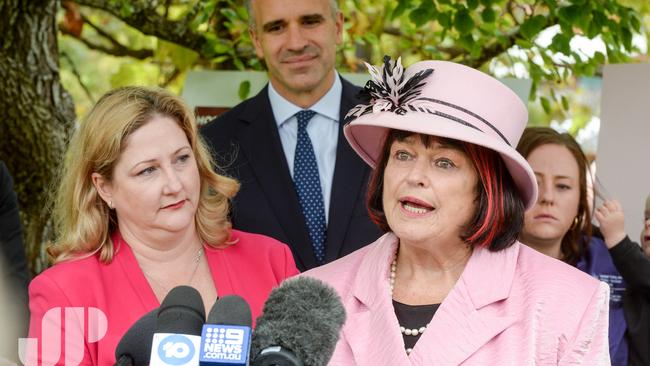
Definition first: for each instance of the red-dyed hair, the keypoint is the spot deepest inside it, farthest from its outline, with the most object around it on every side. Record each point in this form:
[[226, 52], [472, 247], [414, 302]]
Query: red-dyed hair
[[499, 215]]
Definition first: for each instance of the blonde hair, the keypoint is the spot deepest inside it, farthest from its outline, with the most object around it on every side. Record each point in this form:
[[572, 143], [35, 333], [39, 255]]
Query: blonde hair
[[84, 222]]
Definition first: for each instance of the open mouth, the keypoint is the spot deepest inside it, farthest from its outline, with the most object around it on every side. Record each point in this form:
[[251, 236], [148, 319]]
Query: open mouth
[[416, 206]]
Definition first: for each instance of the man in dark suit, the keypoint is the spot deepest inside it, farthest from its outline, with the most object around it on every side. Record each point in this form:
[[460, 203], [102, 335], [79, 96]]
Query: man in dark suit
[[301, 182]]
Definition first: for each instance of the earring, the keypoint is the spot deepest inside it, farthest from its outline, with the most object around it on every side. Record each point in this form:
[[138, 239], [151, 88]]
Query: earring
[[110, 204], [575, 222]]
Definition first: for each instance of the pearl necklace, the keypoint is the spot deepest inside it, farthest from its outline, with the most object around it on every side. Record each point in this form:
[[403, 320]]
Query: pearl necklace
[[406, 331]]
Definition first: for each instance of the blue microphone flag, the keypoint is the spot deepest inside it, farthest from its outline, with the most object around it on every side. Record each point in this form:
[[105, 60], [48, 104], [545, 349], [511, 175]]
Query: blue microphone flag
[[225, 345]]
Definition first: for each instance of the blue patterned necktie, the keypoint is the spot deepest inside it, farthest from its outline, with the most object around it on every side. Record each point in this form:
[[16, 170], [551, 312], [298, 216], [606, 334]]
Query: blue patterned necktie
[[307, 183]]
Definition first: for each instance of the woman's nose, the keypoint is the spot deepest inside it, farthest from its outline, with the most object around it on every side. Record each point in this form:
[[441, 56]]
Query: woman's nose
[[417, 174], [546, 194], [173, 183]]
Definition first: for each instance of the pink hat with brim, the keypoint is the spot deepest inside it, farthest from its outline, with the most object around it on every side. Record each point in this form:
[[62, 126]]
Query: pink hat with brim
[[445, 99]]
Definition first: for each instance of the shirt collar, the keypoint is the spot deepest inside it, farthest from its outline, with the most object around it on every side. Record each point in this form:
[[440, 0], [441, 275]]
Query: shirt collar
[[329, 105]]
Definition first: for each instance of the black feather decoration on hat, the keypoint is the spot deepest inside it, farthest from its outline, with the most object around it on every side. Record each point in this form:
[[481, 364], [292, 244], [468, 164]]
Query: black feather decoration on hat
[[388, 91]]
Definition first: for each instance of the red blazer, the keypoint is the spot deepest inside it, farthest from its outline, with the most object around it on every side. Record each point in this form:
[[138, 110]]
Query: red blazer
[[250, 268]]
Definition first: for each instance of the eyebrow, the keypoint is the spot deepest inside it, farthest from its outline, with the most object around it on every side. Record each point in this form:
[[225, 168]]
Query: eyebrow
[[556, 176], [447, 146], [152, 160], [272, 24], [279, 22], [436, 144], [312, 17]]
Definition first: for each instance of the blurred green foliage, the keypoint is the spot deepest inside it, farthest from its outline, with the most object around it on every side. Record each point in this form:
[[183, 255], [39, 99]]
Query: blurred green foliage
[[501, 37]]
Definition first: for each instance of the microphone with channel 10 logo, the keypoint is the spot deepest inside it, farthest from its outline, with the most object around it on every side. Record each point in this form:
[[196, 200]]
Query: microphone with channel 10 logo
[[177, 338], [226, 336]]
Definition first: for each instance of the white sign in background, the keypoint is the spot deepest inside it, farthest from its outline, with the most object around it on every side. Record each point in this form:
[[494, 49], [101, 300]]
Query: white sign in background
[[220, 88], [623, 153]]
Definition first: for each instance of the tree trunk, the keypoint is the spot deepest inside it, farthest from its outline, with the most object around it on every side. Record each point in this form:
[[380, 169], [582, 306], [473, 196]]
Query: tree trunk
[[36, 114]]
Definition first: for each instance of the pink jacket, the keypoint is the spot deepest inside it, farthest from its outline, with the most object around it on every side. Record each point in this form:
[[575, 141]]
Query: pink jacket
[[513, 307], [250, 268]]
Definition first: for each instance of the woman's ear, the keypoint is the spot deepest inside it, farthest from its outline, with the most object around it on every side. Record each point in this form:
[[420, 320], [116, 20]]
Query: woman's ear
[[104, 188]]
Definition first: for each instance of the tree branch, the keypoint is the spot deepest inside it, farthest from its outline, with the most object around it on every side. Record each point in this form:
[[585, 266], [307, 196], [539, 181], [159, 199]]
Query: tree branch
[[101, 32], [145, 19], [75, 72], [510, 6], [117, 50], [174, 75]]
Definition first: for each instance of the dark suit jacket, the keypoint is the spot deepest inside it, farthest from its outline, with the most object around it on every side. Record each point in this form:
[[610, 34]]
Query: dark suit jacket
[[246, 144]]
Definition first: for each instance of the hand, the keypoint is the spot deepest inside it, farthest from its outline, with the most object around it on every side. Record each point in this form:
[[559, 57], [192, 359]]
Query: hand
[[612, 222]]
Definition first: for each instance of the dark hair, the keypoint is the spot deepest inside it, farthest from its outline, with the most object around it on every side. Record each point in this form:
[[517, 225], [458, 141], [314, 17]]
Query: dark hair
[[499, 216], [534, 137]]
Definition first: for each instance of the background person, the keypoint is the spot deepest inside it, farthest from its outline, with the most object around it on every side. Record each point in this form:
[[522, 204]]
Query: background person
[[12, 248], [450, 282], [301, 182], [13, 313], [645, 233], [633, 264], [139, 211], [559, 225], [14, 276]]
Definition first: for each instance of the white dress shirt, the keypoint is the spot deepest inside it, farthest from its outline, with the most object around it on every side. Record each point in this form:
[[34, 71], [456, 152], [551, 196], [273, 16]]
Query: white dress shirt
[[323, 130]]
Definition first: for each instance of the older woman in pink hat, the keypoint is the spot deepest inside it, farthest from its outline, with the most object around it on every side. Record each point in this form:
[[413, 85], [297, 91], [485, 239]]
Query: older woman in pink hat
[[449, 284]]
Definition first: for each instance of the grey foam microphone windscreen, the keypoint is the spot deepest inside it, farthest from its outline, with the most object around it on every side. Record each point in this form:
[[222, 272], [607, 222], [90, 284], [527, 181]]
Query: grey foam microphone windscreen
[[181, 311], [303, 315], [230, 310], [136, 342]]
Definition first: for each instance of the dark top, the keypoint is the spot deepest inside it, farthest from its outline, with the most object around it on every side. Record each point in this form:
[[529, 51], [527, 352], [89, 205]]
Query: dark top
[[597, 262], [11, 235], [13, 262], [413, 317], [246, 144], [634, 266]]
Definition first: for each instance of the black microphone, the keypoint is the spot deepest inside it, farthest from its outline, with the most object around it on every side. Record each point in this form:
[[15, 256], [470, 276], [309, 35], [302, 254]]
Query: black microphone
[[135, 346], [299, 325], [231, 310], [177, 336], [226, 336]]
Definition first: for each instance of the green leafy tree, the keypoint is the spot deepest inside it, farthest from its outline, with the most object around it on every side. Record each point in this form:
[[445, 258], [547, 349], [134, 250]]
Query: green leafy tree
[[157, 42], [472, 32]]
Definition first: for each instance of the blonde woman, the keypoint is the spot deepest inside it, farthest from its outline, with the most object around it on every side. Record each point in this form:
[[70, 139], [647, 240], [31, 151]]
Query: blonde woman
[[140, 211]]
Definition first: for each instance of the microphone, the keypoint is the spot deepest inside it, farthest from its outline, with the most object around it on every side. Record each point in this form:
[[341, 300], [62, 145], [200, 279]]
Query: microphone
[[177, 337], [135, 346], [299, 325], [226, 336]]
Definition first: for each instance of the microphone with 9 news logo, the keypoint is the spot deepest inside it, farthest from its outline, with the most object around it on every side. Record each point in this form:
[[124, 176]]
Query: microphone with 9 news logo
[[177, 339], [226, 337]]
